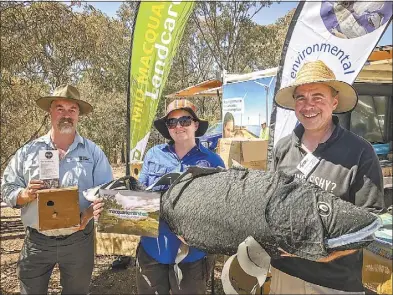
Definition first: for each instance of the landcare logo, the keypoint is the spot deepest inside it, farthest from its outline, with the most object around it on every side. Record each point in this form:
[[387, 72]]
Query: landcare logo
[[203, 163]]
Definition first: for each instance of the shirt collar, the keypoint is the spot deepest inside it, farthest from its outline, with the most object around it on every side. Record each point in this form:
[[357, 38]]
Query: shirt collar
[[46, 139], [299, 130], [197, 147], [201, 147]]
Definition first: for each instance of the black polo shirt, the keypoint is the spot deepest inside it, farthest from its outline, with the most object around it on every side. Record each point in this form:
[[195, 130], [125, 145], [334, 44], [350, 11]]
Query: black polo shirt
[[348, 168]]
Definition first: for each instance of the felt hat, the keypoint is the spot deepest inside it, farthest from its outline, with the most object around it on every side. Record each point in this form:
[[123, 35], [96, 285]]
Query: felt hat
[[65, 92]]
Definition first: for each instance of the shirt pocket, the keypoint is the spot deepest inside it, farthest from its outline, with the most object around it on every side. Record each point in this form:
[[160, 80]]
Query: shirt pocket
[[156, 169], [79, 172], [31, 168]]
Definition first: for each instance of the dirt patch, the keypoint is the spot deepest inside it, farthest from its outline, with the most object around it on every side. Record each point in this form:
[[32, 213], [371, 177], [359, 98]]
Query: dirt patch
[[118, 170]]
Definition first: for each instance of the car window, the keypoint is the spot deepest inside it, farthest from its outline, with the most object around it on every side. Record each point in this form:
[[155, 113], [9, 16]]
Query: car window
[[369, 118], [214, 129]]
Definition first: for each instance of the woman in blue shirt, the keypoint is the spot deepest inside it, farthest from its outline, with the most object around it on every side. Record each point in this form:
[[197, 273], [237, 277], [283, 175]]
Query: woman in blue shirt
[[156, 271]]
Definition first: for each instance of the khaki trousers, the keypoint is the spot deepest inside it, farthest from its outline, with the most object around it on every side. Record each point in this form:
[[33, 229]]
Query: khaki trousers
[[283, 283]]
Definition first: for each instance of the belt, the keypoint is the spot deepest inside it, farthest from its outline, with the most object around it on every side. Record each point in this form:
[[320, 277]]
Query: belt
[[60, 237]]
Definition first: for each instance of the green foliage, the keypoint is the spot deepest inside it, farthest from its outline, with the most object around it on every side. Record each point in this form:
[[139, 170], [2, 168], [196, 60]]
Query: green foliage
[[45, 44]]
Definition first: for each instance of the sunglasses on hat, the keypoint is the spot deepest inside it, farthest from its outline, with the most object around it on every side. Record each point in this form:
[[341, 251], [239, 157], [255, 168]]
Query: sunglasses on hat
[[184, 121]]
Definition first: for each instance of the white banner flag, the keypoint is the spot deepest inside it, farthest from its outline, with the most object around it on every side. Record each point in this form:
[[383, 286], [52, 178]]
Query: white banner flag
[[340, 33]]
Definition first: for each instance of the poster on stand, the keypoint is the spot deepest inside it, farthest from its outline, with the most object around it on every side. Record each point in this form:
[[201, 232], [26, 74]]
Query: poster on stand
[[246, 106]]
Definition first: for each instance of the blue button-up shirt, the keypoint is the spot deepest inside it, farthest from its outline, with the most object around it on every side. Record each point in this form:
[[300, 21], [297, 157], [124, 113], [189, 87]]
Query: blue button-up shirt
[[158, 161], [84, 165]]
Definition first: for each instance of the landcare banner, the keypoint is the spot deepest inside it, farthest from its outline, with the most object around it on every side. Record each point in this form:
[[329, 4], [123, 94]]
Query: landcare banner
[[157, 32], [340, 33]]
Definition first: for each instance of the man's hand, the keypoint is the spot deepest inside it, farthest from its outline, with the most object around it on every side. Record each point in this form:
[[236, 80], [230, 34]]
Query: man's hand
[[29, 193], [332, 256], [98, 206], [182, 240], [286, 254], [336, 254], [94, 210], [85, 217]]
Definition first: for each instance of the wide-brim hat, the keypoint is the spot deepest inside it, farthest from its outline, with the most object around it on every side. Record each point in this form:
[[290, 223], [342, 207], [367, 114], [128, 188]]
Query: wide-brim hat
[[318, 72], [66, 92], [235, 280], [180, 104]]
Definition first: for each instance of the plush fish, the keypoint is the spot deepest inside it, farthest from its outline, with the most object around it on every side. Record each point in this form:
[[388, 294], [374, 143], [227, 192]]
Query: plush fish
[[216, 209]]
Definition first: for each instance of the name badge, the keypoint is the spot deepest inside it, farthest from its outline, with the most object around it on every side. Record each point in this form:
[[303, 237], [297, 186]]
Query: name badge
[[307, 164]]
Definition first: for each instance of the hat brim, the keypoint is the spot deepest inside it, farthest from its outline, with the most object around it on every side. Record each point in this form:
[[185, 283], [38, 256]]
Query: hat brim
[[46, 101], [163, 129], [347, 96], [235, 279]]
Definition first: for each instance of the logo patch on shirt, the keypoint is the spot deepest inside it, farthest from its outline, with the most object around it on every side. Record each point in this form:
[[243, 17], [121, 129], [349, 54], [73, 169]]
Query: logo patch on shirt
[[83, 158], [203, 163]]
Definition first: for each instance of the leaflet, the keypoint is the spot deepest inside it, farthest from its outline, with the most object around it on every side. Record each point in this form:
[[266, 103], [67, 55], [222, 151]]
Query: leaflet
[[49, 167]]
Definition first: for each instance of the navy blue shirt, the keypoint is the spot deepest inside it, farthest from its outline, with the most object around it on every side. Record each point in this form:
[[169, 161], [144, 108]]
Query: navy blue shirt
[[158, 161]]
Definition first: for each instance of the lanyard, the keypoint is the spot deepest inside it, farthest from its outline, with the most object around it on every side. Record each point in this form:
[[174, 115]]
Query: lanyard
[[308, 163]]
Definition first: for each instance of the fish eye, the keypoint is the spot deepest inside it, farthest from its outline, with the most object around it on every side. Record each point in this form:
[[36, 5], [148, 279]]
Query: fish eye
[[323, 209]]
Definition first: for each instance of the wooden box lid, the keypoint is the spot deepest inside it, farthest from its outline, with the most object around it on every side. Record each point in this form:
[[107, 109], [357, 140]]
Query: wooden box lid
[[58, 208]]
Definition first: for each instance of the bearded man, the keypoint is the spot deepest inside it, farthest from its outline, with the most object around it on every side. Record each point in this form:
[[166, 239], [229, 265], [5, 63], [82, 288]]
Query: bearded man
[[81, 163]]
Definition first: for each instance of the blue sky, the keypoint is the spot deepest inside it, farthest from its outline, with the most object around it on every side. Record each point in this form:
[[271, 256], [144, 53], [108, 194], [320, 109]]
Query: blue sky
[[267, 15]]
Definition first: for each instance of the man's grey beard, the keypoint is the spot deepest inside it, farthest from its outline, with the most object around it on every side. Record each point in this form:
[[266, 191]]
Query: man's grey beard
[[66, 126]]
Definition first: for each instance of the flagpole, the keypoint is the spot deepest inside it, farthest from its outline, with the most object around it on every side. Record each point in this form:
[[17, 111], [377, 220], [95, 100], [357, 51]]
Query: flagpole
[[273, 113], [128, 121]]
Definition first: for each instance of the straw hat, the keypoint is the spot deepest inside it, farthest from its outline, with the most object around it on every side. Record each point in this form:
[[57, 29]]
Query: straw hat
[[180, 104], [318, 72], [66, 92]]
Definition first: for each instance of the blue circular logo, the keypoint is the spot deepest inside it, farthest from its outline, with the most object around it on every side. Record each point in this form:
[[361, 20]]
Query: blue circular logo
[[203, 163]]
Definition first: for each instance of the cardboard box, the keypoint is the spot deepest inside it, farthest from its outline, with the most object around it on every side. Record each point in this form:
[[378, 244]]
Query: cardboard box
[[250, 153], [387, 171], [115, 244], [58, 208], [258, 165]]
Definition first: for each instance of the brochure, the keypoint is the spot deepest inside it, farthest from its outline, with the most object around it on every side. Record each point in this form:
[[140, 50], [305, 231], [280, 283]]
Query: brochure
[[49, 168], [129, 212]]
